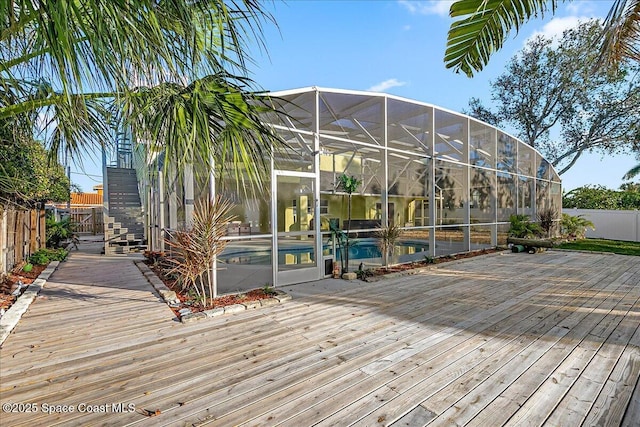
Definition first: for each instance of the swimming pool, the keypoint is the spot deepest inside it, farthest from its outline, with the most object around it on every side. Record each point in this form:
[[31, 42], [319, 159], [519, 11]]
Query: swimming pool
[[360, 251]]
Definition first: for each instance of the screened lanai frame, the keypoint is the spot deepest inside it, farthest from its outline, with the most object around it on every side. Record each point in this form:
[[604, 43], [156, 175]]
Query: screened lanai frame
[[449, 181]]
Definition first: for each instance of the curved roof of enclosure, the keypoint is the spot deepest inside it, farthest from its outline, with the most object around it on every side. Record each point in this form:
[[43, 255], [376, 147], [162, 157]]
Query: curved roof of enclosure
[[405, 125]]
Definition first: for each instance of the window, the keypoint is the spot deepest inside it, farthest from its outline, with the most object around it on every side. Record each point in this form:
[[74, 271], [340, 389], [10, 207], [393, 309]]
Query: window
[[324, 206], [294, 208]]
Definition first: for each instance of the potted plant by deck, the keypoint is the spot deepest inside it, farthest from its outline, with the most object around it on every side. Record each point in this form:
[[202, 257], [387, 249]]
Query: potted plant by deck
[[348, 184]]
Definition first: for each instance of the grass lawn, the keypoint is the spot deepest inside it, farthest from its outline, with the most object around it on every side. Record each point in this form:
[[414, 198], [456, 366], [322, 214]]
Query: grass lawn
[[601, 245]]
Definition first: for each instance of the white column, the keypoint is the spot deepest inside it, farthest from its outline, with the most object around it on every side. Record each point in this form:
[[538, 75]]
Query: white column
[[212, 198], [466, 240], [3, 240], [173, 198], [161, 219], [432, 186], [188, 195]]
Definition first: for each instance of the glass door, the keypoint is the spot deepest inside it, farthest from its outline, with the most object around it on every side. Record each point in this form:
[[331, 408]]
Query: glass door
[[296, 236]]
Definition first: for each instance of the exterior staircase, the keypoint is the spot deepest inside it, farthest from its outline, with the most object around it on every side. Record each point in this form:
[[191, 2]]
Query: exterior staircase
[[124, 221]]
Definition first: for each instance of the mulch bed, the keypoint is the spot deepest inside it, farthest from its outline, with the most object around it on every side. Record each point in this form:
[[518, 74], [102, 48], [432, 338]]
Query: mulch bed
[[10, 283], [188, 300], [381, 271]]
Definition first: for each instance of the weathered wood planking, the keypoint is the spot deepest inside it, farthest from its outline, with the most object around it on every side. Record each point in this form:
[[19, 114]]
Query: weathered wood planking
[[545, 339]]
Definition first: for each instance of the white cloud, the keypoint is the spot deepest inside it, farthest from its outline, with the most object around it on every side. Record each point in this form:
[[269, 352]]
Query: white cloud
[[427, 7], [406, 27], [387, 84], [555, 27]]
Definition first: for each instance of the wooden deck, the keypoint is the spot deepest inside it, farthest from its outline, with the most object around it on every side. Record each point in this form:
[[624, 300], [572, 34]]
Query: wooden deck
[[505, 339]]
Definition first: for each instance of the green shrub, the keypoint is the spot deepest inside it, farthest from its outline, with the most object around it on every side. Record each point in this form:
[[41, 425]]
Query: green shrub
[[546, 219], [575, 226], [387, 239], [44, 256], [522, 227], [57, 231], [27, 268], [40, 258], [268, 289]]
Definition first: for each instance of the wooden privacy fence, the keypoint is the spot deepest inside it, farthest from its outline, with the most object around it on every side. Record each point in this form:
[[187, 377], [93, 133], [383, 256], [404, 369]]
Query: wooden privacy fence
[[22, 232]]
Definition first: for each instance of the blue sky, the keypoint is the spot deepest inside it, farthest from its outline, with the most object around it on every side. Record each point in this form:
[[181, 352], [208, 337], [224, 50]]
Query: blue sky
[[396, 47]]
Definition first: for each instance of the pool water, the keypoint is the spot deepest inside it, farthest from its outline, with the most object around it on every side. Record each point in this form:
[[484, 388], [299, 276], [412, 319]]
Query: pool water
[[302, 255]]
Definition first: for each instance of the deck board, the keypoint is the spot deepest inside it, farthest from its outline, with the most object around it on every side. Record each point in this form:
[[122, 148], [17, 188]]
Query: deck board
[[545, 339]]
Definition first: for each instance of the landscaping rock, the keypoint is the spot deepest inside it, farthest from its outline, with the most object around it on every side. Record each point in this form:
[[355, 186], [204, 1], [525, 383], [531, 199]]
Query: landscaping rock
[[235, 308], [251, 304], [282, 296], [167, 294], [218, 311], [192, 317], [349, 276], [269, 301]]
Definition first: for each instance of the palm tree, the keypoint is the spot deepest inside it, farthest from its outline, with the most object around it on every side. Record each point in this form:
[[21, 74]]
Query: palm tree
[[175, 71], [349, 184], [633, 172], [485, 24]]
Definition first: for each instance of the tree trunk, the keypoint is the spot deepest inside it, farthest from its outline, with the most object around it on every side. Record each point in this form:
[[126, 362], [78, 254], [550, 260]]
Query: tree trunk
[[538, 243]]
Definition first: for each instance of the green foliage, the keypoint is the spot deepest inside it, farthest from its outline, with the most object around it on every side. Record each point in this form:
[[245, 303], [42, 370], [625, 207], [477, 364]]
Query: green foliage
[[599, 197], [602, 245], [268, 289], [546, 219], [57, 231], [40, 257], [552, 87], [483, 27], [633, 172], [185, 87], [197, 247], [27, 176], [575, 226], [475, 36], [522, 227], [349, 184], [27, 268], [387, 238], [44, 256], [214, 117]]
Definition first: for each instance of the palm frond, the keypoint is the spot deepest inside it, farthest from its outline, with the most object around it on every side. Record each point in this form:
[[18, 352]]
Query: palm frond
[[621, 33], [116, 44], [215, 117], [633, 172], [484, 26]]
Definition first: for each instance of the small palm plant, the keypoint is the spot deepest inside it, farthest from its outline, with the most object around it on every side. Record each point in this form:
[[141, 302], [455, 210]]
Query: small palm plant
[[197, 247], [546, 219], [575, 227], [349, 184], [522, 227], [387, 238]]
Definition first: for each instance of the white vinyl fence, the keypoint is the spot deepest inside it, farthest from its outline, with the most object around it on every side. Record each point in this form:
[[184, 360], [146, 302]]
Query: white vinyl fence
[[614, 225]]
